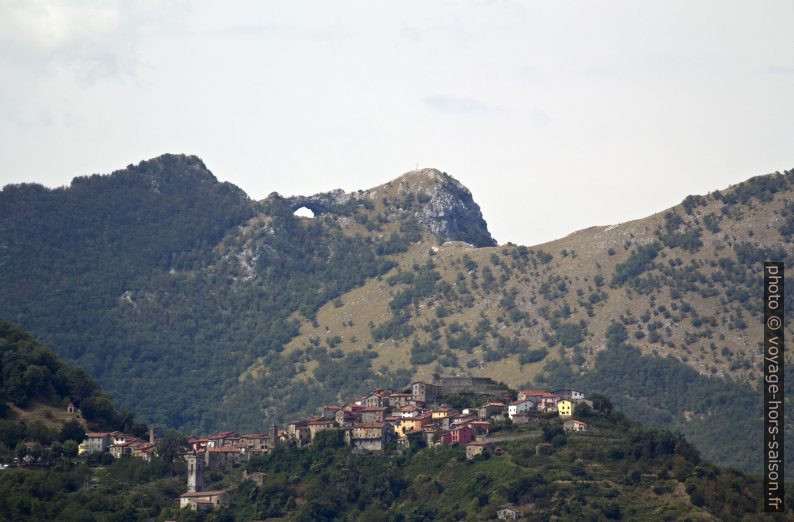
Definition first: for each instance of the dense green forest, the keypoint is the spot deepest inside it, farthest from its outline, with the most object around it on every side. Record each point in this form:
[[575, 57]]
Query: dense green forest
[[120, 274], [33, 377]]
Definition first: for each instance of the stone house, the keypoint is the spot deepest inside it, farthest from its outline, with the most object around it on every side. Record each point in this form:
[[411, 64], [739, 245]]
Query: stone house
[[224, 438], [298, 431], [398, 400], [255, 441], [480, 427], [371, 414], [144, 450], [570, 394], [224, 456], [198, 444], [425, 391], [376, 400], [257, 477], [317, 426], [95, 442], [478, 447], [492, 409], [369, 436], [329, 412], [123, 444], [203, 500], [346, 418]]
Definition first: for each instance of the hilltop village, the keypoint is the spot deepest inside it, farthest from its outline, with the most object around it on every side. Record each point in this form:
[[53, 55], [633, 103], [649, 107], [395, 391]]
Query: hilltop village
[[383, 419]]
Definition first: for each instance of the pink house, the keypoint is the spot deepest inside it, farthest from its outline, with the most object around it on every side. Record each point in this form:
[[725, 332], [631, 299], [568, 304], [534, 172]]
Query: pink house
[[461, 435]]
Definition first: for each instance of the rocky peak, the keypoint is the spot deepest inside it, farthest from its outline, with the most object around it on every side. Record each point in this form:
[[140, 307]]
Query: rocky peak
[[445, 206], [439, 203]]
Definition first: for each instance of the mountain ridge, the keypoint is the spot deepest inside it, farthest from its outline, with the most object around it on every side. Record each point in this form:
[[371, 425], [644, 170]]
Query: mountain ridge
[[218, 310]]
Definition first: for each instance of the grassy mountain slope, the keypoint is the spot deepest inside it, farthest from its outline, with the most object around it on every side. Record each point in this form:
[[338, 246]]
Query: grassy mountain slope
[[685, 285], [685, 282], [204, 310]]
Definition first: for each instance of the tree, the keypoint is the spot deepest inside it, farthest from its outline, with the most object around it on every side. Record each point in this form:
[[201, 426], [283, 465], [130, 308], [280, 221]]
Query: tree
[[601, 403], [70, 448], [71, 430], [327, 439], [36, 450], [582, 410], [21, 450], [172, 443]]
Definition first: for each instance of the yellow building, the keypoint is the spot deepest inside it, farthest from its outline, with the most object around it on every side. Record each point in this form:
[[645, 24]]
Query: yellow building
[[412, 424], [565, 408], [442, 413]]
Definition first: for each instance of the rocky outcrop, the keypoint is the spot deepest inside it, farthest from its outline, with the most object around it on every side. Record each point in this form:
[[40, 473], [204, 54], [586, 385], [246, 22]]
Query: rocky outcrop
[[322, 203], [451, 213], [437, 201]]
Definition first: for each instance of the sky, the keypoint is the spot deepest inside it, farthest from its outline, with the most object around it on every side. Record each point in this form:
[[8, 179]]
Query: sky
[[556, 115]]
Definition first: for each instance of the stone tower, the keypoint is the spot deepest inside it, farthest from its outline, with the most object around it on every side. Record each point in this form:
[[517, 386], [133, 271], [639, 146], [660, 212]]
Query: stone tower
[[273, 435], [195, 472]]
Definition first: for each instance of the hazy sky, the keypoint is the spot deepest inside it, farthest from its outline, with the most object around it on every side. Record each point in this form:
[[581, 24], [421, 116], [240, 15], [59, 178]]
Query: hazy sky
[[557, 115]]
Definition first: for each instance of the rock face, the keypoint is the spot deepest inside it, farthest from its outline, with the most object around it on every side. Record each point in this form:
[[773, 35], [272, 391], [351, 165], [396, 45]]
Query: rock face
[[451, 213], [321, 203], [439, 203]]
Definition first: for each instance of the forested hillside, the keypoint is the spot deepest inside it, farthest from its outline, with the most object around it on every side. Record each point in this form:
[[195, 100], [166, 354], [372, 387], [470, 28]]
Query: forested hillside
[[204, 310], [35, 390]]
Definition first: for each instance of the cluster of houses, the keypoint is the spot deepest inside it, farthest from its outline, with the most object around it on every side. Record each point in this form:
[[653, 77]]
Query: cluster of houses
[[373, 422], [119, 444], [384, 417]]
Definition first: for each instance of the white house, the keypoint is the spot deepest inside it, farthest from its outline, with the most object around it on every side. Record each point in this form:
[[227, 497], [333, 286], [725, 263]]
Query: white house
[[409, 412], [575, 425], [516, 407]]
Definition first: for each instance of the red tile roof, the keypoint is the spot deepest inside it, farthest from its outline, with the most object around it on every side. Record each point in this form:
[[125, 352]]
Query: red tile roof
[[538, 393], [380, 425], [225, 449], [224, 435], [323, 423], [211, 493]]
